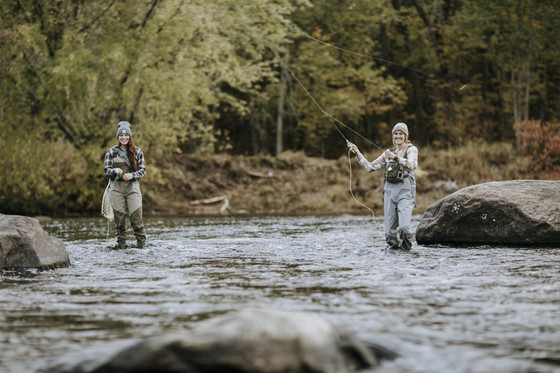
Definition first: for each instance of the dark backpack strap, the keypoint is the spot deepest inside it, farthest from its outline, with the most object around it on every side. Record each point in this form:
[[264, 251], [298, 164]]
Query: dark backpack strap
[[394, 150], [123, 154]]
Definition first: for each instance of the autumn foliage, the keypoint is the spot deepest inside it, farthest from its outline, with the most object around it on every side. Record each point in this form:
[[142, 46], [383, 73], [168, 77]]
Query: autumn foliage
[[541, 142]]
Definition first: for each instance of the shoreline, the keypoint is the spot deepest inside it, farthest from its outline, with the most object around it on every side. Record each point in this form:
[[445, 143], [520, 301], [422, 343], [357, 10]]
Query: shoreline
[[292, 184]]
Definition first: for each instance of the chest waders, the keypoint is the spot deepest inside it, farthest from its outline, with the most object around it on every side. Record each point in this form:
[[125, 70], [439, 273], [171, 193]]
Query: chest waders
[[126, 198], [398, 201]]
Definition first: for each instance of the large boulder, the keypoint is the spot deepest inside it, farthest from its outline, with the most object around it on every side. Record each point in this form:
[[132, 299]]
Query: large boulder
[[518, 212], [24, 244], [246, 341]]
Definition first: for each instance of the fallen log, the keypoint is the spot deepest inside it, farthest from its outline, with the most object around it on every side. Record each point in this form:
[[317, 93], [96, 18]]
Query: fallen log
[[260, 174], [209, 201]]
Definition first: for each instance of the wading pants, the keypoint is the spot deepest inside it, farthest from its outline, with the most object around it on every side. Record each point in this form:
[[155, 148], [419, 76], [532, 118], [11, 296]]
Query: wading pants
[[399, 199], [126, 197]]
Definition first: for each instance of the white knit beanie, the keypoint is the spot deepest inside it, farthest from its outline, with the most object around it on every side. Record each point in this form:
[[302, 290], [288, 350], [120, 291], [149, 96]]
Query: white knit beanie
[[401, 127]]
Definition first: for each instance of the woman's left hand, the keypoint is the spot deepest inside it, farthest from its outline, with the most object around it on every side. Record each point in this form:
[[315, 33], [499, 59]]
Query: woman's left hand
[[127, 177]]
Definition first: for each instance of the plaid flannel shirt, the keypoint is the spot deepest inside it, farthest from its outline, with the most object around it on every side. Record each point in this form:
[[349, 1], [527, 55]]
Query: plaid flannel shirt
[[111, 155]]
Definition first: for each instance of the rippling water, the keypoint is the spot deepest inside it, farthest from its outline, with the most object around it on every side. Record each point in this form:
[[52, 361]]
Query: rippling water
[[444, 309]]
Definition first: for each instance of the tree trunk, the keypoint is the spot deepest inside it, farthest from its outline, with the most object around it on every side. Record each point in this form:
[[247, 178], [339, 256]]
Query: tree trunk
[[279, 120], [527, 85], [280, 113], [515, 90]]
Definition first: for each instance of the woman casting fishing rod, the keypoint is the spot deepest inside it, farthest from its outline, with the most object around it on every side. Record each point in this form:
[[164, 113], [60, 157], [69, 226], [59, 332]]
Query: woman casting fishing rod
[[400, 185]]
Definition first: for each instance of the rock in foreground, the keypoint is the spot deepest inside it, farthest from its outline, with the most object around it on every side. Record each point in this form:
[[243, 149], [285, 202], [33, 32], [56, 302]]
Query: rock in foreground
[[518, 212], [253, 340], [24, 244]]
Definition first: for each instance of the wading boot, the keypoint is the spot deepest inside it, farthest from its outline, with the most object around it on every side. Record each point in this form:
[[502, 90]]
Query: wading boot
[[121, 231], [121, 245], [393, 243], [138, 227], [405, 241], [394, 248]]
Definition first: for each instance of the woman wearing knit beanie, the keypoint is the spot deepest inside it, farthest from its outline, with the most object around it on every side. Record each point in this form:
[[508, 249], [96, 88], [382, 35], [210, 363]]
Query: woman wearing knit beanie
[[399, 195], [124, 166]]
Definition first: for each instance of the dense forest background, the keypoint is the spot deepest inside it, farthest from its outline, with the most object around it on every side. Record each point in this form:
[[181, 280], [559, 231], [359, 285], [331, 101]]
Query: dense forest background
[[207, 77]]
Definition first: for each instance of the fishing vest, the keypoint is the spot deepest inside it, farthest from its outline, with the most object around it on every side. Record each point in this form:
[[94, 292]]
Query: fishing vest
[[395, 172], [121, 161]]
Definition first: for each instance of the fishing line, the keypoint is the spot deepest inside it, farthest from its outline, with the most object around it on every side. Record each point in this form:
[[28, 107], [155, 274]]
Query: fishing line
[[355, 132], [363, 55], [328, 116], [428, 75], [350, 184]]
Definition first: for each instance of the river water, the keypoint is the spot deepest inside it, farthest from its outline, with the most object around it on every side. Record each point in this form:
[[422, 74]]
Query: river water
[[443, 309]]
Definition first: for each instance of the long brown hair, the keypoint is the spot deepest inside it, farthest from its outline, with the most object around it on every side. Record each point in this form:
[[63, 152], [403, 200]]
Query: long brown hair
[[132, 154]]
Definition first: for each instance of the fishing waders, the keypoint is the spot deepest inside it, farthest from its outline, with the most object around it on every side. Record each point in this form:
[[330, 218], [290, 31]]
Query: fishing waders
[[399, 200], [126, 198]]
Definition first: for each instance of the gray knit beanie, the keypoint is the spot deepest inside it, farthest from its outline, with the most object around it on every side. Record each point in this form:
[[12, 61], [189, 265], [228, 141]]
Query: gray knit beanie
[[124, 127], [401, 127]]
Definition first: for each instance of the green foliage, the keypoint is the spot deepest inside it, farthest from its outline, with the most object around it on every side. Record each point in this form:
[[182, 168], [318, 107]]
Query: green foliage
[[39, 177], [72, 70], [347, 78], [202, 77]]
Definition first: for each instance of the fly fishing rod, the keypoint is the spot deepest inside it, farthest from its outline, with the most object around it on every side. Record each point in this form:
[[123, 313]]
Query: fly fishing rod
[[331, 119], [327, 115]]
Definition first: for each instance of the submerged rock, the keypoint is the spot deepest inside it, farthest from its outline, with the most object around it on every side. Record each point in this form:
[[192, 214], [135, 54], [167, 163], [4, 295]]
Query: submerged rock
[[252, 340], [24, 244], [518, 212]]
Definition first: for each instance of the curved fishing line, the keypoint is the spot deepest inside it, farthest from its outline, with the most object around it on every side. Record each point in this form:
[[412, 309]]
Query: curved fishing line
[[355, 132], [363, 55], [429, 75], [328, 116], [350, 184]]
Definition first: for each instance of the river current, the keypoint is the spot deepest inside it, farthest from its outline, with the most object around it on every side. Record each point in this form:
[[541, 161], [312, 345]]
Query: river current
[[443, 309]]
